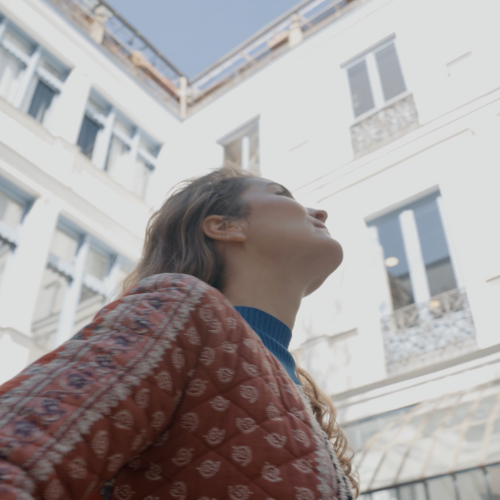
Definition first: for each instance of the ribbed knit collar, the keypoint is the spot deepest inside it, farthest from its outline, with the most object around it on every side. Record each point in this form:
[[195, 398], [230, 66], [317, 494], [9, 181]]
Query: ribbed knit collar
[[274, 334]]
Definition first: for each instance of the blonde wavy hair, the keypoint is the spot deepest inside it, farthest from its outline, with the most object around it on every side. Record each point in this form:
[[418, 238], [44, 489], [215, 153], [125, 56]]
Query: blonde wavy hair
[[175, 243]]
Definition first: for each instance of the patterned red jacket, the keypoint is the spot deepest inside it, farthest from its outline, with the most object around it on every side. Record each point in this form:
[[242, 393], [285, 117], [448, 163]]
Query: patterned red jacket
[[167, 394]]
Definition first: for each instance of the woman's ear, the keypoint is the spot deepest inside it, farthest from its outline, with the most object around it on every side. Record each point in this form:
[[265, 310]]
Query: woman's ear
[[219, 228]]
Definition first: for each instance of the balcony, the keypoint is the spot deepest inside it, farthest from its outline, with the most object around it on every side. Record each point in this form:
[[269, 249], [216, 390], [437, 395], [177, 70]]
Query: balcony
[[423, 334], [385, 125]]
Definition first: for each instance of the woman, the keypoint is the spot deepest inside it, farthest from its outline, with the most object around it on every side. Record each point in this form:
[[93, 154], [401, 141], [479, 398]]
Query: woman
[[184, 388]]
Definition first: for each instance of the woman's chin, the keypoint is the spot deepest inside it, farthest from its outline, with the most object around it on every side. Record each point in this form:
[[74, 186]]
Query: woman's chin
[[325, 266]]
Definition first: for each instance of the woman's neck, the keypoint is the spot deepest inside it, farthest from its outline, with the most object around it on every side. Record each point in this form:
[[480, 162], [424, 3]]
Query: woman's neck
[[279, 297]]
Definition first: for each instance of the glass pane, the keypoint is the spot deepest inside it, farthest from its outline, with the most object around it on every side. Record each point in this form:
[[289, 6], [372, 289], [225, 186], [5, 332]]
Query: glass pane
[[391, 239], [123, 127], [4, 255], [472, 446], [13, 358], [387, 471], [458, 415], [484, 408], [97, 106], [97, 264], [50, 302], [390, 73], [434, 248], [415, 459], [149, 148], [54, 69], [414, 491], [118, 161], [63, 245], [18, 41], [494, 443], [369, 464], [10, 75], [445, 445], [359, 433], [391, 494], [141, 177], [88, 135], [494, 480], [88, 306], [441, 488], [254, 162], [361, 92], [11, 212], [42, 99], [471, 485], [232, 152]]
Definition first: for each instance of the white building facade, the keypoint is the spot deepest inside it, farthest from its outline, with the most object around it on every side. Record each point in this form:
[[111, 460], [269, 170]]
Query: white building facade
[[384, 113]]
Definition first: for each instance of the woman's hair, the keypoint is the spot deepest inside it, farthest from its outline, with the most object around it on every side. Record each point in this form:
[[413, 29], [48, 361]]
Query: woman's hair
[[176, 243]]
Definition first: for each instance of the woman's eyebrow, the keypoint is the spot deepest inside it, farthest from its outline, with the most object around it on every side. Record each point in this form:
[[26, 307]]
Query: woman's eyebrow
[[285, 190]]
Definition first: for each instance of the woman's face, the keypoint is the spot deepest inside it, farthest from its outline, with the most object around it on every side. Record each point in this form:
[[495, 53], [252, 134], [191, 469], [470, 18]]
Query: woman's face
[[279, 227]]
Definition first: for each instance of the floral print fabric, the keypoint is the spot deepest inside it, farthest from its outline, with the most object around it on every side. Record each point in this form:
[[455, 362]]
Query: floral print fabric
[[167, 394]]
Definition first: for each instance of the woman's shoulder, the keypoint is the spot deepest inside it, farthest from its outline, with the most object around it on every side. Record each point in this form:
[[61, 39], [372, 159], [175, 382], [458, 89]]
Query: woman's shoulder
[[169, 282], [170, 293]]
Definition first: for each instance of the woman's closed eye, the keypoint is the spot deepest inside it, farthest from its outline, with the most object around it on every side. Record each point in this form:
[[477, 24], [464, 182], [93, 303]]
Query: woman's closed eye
[[284, 192]]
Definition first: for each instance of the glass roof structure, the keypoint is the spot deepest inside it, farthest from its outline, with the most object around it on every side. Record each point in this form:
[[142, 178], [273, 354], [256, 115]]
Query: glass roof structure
[[436, 437]]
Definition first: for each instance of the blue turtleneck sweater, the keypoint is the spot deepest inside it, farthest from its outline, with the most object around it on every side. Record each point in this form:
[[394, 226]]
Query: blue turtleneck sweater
[[274, 334]]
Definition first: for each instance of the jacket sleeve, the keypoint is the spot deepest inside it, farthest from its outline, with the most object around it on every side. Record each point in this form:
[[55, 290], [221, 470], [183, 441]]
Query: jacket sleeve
[[70, 421]]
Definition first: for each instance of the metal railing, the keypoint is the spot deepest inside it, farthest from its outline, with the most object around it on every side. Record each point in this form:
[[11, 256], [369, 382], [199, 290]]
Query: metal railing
[[107, 28], [302, 18], [421, 334]]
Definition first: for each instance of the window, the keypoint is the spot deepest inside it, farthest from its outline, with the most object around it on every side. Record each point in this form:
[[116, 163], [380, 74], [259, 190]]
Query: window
[[375, 78], [241, 148], [88, 135], [55, 282], [494, 480], [416, 254], [475, 484], [415, 491], [117, 146], [441, 488], [42, 99], [30, 78], [12, 208], [76, 282], [385, 495]]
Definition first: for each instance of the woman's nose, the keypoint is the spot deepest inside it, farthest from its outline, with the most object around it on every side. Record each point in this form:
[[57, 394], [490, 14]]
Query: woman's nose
[[321, 215]]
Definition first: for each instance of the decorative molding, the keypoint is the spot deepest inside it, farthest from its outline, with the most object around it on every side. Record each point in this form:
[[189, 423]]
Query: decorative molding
[[423, 334], [384, 126]]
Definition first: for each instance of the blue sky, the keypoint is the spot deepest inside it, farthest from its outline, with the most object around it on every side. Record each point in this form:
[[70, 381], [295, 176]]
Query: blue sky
[[193, 34]]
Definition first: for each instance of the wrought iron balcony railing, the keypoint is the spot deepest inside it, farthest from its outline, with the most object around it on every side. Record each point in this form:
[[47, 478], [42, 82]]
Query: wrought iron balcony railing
[[422, 334]]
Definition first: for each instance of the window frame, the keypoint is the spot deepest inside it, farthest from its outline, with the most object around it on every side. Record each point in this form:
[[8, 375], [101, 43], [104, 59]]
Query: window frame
[[19, 196], [33, 71], [410, 206], [8, 234], [240, 134], [374, 78], [76, 275], [108, 131]]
